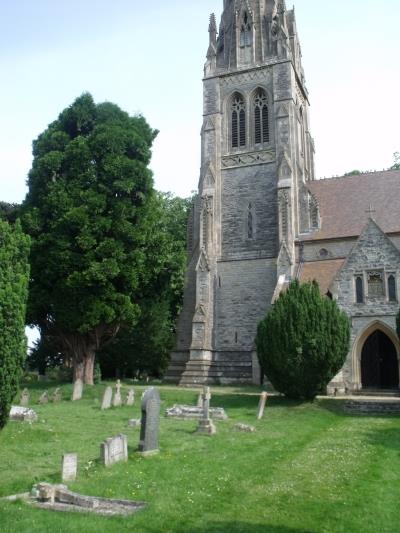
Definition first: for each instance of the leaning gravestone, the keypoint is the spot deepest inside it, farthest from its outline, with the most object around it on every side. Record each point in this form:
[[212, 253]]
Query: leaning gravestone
[[24, 400], [77, 390], [69, 464], [114, 449], [148, 443], [107, 397], [117, 401], [56, 397], [44, 398], [130, 397], [261, 405]]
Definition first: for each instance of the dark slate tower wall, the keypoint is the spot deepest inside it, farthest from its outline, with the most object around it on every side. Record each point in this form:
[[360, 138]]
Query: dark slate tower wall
[[252, 202]]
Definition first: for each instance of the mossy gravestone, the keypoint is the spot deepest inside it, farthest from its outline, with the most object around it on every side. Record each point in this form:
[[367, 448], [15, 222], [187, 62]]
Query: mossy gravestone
[[107, 397], [148, 444]]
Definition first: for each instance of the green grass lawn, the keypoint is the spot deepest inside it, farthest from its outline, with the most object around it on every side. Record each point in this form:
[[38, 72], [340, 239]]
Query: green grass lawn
[[307, 468]]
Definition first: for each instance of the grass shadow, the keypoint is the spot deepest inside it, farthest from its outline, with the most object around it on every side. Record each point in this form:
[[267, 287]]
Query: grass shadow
[[387, 438], [238, 527]]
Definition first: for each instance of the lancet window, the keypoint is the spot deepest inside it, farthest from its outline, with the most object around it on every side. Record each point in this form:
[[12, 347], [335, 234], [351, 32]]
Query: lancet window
[[245, 31], [359, 290], [238, 121], [261, 117], [250, 222], [392, 288]]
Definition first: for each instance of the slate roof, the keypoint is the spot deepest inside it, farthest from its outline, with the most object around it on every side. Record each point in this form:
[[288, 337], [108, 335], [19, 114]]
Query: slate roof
[[321, 271], [344, 203]]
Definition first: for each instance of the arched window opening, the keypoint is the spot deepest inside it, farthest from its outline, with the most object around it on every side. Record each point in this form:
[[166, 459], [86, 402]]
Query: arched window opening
[[238, 121], [375, 285], [392, 288], [359, 290], [245, 32], [261, 118], [250, 222]]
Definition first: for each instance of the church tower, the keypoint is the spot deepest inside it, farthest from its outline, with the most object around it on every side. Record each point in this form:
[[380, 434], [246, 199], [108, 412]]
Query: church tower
[[252, 203]]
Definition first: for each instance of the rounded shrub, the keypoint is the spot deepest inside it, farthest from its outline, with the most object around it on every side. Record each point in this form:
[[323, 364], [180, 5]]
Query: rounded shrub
[[303, 341]]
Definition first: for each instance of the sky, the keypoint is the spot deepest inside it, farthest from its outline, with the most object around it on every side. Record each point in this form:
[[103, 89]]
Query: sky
[[148, 58]]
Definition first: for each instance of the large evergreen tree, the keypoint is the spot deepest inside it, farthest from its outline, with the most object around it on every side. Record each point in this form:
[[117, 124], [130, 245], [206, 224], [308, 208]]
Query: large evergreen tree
[[89, 211], [144, 347], [14, 274], [303, 341]]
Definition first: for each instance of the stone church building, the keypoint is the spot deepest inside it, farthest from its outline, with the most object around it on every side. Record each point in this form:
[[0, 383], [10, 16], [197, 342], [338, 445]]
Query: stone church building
[[260, 218]]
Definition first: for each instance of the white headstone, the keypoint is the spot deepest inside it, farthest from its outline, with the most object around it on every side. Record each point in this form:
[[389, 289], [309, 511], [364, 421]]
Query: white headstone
[[130, 397], [78, 390], [107, 397], [117, 401], [69, 465], [114, 449]]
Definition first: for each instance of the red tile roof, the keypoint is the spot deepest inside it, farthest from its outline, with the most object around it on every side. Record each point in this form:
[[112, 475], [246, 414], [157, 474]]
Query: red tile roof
[[321, 271], [344, 203]]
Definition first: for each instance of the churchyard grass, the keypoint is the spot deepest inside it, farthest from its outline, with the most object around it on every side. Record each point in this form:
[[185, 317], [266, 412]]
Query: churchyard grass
[[307, 468]]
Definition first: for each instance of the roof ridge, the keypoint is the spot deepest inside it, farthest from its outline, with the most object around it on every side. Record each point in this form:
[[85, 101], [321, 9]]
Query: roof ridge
[[366, 173]]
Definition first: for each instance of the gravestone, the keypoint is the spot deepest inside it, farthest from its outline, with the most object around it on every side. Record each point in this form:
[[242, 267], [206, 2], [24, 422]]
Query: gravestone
[[24, 400], [78, 390], [44, 398], [57, 395], [244, 427], [22, 414], [69, 465], [114, 449], [200, 400], [107, 397], [134, 422], [117, 400], [261, 405], [150, 406], [205, 424], [130, 397]]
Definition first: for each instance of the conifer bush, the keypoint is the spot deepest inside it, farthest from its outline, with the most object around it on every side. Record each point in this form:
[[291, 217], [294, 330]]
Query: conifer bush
[[303, 341], [14, 274]]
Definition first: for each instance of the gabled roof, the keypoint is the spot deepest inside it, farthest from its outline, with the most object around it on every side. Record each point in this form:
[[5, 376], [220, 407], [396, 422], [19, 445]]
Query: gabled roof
[[321, 271], [344, 203]]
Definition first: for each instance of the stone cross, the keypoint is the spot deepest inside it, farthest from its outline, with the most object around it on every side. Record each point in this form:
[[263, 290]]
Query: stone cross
[[44, 398], [69, 465], [261, 405], [77, 390], [24, 400], [56, 397], [150, 406], [107, 397], [130, 397], [205, 424], [114, 449], [117, 401]]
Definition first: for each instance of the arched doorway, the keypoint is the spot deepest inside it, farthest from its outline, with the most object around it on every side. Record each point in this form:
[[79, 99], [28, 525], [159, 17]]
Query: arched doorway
[[379, 364]]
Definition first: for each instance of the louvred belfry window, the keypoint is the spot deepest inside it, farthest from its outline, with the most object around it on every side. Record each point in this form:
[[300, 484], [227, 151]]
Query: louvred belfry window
[[238, 121], [261, 118]]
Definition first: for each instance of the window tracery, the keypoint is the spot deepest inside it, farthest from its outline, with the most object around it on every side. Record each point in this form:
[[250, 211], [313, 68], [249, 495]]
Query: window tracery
[[261, 117], [238, 121], [245, 31]]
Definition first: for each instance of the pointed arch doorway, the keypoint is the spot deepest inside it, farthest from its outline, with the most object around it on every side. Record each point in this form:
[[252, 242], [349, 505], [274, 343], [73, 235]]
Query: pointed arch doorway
[[379, 362]]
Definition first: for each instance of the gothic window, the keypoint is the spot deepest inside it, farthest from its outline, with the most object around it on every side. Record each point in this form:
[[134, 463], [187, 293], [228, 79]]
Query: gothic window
[[359, 290], [375, 285], [245, 31], [392, 288], [250, 222], [261, 117], [238, 121]]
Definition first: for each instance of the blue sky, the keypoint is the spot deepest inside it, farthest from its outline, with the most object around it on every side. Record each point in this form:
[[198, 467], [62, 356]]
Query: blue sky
[[148, 58]]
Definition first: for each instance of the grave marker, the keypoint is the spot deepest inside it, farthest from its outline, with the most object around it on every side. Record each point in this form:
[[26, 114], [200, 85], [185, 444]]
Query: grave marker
[[24, 400], [130, 397], [107, 397], [57, 395], [117, 400], [78, 390], [114, 449], [261, 405], [69, 466], [148, 443], [205, 424], [44, 398]]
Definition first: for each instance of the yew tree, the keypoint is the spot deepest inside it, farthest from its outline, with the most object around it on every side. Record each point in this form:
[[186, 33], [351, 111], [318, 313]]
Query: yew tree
[[303, 341], [89, 211], [14, 275]]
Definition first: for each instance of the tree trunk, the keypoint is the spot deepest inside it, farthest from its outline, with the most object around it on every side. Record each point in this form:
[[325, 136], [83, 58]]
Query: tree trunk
[[89, 367]]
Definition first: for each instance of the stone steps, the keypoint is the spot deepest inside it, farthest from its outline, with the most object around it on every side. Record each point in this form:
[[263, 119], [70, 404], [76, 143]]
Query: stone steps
[[373, 407], [378, 393]]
